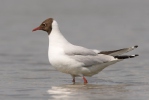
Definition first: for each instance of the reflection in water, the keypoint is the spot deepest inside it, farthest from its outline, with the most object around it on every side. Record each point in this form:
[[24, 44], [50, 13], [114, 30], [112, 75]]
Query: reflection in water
[[86, 92]]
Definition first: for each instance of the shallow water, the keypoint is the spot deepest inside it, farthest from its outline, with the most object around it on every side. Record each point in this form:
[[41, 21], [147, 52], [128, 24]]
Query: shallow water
[[25, 73]]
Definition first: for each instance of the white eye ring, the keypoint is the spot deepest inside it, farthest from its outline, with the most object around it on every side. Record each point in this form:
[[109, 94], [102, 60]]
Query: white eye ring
[[44, 24]]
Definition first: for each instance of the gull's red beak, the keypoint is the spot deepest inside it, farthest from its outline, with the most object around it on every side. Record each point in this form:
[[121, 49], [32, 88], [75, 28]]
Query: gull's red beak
[[35, 29]]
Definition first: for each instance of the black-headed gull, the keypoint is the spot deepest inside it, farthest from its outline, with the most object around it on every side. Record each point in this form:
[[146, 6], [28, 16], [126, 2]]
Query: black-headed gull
[[76, 60]]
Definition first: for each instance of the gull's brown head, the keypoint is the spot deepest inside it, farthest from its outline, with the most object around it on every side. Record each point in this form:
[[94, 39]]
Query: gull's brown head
[[45, 26]]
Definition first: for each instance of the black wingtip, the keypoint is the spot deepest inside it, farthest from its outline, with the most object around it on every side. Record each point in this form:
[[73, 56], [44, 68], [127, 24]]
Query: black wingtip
[[126, 56], [136, 55], [136, 46], [132, 56]]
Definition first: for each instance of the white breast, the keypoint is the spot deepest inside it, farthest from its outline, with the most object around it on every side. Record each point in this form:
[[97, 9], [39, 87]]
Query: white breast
[[56, 54]]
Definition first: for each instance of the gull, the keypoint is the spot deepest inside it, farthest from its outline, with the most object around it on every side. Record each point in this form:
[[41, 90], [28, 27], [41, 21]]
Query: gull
[[77, 60]]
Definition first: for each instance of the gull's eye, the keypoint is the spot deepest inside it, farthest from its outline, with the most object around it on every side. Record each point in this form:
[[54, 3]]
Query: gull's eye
[[44, 24]]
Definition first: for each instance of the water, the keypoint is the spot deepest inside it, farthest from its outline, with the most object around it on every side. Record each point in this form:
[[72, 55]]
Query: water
[[25, 73]]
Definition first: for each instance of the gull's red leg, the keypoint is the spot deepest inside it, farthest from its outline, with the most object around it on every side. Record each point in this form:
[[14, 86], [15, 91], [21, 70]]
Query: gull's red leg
[[85, 80], [73, 80]]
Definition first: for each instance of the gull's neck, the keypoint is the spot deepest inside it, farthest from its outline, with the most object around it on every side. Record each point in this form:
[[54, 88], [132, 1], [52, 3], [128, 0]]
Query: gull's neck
[[55, 37]]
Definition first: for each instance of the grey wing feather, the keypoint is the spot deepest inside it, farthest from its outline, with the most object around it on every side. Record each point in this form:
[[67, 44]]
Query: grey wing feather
[[92, 60], [86, 56]]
